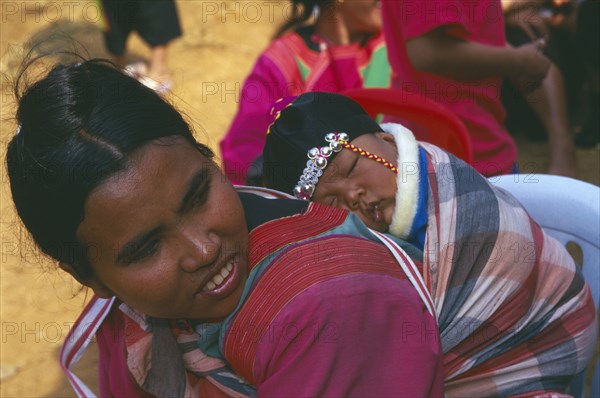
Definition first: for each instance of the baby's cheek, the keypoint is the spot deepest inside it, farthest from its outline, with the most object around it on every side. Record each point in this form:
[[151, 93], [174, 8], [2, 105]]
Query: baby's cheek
[[387, 217]]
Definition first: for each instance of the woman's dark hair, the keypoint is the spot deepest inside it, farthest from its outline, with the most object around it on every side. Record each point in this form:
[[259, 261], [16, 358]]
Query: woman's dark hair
[[302, 10], [77, 127]]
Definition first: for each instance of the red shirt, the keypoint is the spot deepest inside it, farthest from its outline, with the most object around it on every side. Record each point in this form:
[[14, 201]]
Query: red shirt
[[477, 103]]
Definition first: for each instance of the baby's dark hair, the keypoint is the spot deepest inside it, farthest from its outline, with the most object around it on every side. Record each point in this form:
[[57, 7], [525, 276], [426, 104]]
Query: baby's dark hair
[[77, 127]]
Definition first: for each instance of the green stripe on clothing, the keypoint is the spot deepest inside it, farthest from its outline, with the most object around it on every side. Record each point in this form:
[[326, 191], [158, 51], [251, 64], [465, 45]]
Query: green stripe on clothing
[[377, 72], [304, 69]]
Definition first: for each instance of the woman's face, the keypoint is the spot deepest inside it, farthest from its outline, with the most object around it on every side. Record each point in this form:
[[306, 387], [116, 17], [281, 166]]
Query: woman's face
[[361, 185], [361, 16], [168, 235]]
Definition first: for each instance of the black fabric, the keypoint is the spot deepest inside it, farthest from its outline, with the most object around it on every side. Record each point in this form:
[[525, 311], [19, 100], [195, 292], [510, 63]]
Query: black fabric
[[254, 178], [306, 33], [156, 21], [260, 210], [588, 32], [303, 125]]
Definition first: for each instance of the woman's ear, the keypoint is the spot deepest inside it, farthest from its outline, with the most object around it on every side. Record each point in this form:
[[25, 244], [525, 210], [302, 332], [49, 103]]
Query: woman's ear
[[98, 287]]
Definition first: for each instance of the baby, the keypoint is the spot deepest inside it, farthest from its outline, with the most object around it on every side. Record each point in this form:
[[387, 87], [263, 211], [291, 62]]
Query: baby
[[497, 280]]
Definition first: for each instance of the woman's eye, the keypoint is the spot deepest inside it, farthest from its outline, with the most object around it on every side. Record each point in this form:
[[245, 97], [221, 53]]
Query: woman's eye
[[201, 194], [145, 251], [200, 198]]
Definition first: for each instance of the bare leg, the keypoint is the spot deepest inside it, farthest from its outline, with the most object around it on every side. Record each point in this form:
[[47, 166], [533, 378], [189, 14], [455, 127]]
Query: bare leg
[[159, 70], [548, 102]]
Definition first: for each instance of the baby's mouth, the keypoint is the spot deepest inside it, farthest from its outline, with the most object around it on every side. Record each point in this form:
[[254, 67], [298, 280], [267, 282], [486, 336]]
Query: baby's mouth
[[375, 212]]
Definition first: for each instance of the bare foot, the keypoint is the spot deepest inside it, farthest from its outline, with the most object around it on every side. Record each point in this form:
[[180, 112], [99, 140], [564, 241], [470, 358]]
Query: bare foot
[[158, 70], [162, 77], [563, 163]]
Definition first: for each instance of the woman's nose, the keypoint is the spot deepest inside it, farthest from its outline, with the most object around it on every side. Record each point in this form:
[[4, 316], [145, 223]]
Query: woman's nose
[[201, 249]]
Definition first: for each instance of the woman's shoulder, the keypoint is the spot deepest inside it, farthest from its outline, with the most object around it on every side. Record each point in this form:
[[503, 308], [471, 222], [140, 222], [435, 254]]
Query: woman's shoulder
[[276, 234], [314, 250], [320, 278]]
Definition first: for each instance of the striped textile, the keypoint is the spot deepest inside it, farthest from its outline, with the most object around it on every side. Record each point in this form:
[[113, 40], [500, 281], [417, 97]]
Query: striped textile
[[78, 339], [514, 312], [317, 246], [206, 376], [155, 348]]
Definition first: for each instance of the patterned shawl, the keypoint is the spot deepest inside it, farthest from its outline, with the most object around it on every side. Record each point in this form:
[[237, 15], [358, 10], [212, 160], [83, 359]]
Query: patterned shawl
[[514, 312]]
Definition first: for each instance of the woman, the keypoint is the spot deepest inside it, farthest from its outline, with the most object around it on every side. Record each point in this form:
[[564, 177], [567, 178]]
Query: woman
[[342, 48], [514, 312], [202, 290]]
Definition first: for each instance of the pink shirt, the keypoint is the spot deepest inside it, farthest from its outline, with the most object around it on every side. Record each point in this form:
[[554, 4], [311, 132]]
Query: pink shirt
[[288, 67], [477, 103]]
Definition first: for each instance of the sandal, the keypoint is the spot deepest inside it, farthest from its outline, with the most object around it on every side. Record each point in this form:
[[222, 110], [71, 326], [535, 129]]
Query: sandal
[[135, 69], [161, 87]]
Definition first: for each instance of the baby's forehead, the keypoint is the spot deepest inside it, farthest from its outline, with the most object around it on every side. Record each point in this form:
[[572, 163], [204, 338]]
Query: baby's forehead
[[337, 168], [368, 137], [363, 145]]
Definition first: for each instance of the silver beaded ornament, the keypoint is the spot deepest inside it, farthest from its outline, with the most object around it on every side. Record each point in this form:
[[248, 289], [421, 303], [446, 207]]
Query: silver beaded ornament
[[316, 164]]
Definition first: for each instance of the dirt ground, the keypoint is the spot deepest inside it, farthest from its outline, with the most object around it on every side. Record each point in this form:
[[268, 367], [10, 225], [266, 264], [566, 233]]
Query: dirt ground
[[221, 40]]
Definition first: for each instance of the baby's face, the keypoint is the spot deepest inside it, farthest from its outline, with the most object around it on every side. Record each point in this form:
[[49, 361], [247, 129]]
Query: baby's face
[[168, 235], [361, 185]]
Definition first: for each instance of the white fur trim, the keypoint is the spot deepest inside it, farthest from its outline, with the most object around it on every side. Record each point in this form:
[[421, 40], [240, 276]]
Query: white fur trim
[[407, 179]]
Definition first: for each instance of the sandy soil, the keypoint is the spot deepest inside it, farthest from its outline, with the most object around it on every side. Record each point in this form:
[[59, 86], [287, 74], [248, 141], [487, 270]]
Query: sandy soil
[[221, 39]]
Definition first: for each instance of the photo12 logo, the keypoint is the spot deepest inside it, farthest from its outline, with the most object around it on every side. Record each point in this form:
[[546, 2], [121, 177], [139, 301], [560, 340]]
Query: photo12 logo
[[36, 11]]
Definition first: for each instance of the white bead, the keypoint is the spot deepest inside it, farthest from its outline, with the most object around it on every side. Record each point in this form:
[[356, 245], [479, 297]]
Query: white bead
[[326, 151], [308, 189], [321, 162]]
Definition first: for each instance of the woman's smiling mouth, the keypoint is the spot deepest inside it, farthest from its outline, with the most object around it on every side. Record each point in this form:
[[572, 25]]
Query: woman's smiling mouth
[[224, 281]]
